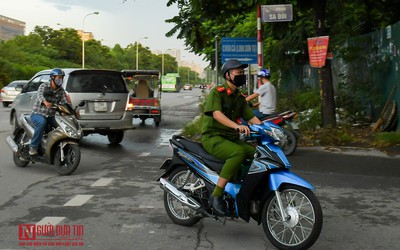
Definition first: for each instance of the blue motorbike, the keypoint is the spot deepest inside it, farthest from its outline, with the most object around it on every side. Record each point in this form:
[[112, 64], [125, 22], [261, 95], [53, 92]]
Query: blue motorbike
[[265, 190]]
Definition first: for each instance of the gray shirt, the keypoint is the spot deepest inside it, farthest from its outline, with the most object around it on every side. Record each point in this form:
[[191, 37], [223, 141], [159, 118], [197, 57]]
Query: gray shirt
[[267, 96]]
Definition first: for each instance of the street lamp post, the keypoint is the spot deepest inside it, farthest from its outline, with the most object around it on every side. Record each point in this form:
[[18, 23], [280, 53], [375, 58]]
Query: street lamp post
[[162, 63], [83, 37], [188, 74], [137, 52]]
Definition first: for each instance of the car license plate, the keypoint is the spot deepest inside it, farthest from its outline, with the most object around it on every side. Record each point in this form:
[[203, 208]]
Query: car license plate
[[140, 111], [100, 106]]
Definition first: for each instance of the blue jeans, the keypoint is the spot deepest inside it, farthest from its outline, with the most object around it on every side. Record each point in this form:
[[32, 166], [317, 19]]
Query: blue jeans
[[41, 124]]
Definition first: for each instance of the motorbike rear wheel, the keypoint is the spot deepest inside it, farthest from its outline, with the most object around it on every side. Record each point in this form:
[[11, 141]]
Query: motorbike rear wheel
[[305, 222], [18, 161], [178, 213], [72, 157], [291, 143]]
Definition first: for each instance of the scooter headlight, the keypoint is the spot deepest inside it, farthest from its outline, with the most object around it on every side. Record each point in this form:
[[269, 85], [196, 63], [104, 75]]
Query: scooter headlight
[[276, 133], [71, 132]]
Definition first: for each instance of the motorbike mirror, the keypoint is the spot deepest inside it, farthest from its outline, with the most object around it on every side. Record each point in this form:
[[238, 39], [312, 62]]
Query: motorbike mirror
[[82, 103]]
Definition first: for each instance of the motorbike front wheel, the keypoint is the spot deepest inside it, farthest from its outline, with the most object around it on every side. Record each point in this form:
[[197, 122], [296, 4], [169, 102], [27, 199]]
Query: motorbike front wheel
[[178, 213], [304, 225], [72, 157], [291, 144]]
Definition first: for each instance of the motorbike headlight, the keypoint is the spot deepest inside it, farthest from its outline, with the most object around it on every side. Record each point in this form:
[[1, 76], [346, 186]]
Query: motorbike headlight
[[276, 133], [71, 132]]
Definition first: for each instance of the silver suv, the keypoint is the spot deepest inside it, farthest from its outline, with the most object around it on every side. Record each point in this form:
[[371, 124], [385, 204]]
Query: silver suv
[[108, 105]]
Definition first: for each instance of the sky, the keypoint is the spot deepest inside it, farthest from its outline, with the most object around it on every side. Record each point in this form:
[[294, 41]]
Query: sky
[[118, 22]]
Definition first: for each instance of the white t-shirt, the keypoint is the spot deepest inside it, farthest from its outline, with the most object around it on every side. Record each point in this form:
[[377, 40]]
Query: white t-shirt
[[267, 95]]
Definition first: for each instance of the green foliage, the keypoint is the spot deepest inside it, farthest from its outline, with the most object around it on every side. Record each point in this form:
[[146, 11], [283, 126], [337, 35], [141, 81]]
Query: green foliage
[[192, 130], [23, 56], [387, 139]]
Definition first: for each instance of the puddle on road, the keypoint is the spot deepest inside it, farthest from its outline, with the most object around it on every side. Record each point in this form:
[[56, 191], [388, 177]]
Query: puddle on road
[[166, 134]]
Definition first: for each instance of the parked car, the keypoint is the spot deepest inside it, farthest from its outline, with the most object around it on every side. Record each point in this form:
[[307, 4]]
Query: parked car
[[187, 87], [108, 105], [9, 92]]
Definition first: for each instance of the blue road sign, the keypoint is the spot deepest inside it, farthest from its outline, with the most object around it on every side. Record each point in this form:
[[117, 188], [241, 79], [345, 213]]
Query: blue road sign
[[242, 49]]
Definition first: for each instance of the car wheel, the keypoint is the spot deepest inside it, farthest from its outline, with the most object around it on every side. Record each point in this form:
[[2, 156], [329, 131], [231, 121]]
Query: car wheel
[[115, 137], [5, 104]]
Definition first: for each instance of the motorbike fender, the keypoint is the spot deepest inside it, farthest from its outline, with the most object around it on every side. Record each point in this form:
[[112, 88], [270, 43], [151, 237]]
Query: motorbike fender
[[53, 139], [276, 179], [169, 165], [52, 149], [16, 131]]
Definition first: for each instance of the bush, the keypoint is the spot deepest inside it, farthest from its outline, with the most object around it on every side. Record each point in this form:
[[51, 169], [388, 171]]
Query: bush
[[387, 139]]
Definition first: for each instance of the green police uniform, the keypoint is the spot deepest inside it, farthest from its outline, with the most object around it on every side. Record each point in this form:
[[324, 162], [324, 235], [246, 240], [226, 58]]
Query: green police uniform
[[221, 141]]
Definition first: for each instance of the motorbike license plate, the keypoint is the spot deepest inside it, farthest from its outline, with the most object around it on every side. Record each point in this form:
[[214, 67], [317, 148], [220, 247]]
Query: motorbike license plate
[[100, 106]]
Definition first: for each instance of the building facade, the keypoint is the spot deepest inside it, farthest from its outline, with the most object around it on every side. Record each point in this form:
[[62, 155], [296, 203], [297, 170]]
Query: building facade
[[10, 28], [86, 36]]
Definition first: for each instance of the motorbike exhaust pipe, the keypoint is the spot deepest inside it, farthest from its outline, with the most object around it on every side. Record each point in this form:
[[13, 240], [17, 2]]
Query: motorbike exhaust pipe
[[185, 200], [11, 143]]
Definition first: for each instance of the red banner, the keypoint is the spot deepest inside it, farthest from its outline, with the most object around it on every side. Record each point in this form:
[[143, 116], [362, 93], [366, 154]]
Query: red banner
[[317, 49]]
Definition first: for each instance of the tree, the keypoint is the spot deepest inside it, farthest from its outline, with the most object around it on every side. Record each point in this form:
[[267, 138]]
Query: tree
[[200, 21]]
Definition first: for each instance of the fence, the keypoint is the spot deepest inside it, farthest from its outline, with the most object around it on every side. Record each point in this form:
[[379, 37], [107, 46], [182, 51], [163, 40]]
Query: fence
[[365, 71]]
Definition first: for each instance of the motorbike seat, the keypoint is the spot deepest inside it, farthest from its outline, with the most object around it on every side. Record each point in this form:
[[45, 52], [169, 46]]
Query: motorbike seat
[[270, 116], [27, 117], [197, 149]]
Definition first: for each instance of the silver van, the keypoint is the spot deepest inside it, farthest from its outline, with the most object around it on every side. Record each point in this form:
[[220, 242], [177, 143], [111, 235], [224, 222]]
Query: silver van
[[108, 105]]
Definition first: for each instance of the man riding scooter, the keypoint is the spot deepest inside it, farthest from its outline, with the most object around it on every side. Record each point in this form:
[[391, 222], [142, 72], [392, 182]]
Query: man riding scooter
[[43, 115]]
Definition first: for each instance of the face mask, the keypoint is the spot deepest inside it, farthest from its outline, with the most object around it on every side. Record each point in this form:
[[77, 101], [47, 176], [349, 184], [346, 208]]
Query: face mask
[[58, 82], [239, 80]]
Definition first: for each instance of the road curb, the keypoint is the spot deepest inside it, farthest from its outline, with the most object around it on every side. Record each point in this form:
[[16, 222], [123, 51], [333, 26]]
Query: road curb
[[352, 151]]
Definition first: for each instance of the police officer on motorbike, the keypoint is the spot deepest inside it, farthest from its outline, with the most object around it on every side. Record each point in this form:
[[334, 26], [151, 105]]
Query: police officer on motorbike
[[220, 137], [43, 115]]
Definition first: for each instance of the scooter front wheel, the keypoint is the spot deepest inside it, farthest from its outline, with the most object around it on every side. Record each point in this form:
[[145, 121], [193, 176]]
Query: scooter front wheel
[[72, 157], [304, 222]]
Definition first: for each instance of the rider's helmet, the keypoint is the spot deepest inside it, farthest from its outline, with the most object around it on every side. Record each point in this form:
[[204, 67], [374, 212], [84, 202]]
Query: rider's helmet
[[232, 64], [264, 73], [57, 72]]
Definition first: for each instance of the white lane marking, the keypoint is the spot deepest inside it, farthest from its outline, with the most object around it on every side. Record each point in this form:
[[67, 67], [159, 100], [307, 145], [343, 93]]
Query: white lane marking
[[78, 200], [144, 154], [102, 182], [50, 221]]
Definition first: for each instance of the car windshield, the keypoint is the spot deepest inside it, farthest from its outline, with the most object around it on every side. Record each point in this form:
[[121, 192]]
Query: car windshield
[[96, 82], [15, 83]]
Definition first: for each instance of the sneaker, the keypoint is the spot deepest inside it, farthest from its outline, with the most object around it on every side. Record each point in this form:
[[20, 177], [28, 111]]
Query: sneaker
[[219, 205], [33, 151]]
